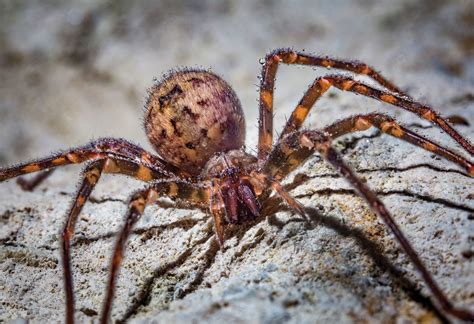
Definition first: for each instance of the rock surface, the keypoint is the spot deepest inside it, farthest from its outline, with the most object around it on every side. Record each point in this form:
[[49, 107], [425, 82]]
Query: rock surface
[[83, 75]]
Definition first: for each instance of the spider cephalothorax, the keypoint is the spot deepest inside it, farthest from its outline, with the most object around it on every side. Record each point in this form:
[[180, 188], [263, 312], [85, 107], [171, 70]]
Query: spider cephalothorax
[[195, 122]]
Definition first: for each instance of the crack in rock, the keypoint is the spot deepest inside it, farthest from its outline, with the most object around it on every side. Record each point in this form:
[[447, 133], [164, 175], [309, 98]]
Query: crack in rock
[[406, 193]]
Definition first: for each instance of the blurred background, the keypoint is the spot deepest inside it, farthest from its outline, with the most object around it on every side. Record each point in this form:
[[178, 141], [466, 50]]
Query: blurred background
[[72, 71]]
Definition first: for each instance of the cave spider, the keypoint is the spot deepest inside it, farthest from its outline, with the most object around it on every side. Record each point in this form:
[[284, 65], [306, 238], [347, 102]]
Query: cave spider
[[195, 122]]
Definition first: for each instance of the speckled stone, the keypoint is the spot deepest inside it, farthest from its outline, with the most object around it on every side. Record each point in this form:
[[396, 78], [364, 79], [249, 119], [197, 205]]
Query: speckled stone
[[84, 74]]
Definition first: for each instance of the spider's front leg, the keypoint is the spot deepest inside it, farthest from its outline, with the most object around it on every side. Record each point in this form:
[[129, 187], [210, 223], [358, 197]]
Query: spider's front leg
[[293, 149], [394, 96], [289, 56], [90, 176], [172, 188], [105, 155], [111, 148], [89, 179]]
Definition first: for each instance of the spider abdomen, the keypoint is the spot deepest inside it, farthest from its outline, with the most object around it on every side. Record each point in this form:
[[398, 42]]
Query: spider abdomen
[[190, 116]]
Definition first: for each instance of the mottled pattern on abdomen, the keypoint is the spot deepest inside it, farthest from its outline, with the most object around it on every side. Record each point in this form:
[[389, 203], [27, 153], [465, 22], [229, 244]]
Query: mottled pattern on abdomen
[[191, 115]]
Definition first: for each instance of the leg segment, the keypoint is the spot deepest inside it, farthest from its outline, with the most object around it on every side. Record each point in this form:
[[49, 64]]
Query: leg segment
[[305, 142], [292, 202], [388, 125], [90, 177], [321, 85], [116, 149], [167, 188], [31, 184], [288, 56]]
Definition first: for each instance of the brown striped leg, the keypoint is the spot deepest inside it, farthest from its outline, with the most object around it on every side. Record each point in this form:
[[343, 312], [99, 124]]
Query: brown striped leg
[[90, 177], [31, 184], [388, 125], [321, 85], [179, 190], [289, 56], [292, 202], [423, 111], [116, 149], [296, 147]]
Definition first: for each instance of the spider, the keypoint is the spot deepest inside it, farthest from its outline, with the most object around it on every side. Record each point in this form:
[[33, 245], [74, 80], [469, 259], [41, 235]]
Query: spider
[[195, 122]]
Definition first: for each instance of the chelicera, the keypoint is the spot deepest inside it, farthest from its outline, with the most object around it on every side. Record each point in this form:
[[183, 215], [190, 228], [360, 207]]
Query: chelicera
[[195, 122]]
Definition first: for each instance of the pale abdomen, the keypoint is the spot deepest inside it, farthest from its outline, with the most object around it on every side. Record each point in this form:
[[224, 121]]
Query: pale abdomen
[[190, 116]]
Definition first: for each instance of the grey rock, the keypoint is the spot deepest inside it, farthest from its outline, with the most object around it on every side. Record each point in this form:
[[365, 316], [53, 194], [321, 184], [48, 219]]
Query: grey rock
[[83, 75]]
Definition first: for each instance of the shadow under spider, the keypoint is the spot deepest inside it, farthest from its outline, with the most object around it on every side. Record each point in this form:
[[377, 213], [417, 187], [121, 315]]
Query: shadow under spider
[[270, 208], [372, 249]]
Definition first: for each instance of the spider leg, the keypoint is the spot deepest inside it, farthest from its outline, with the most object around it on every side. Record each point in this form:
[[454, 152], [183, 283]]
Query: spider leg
[[295, 147], [89, 179], [395, 97], [293, 203], [289, 56], [90, 176], [31, 184], [171, 188], [321, 85], [389, 126], [116, 149]]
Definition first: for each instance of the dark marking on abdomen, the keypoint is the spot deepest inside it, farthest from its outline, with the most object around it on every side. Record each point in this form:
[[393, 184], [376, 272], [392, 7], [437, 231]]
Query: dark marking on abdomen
[[175, 127], [203, 102], [163, 100], [190, 113]]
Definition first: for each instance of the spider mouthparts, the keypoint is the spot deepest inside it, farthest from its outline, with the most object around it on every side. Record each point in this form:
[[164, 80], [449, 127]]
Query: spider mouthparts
[[240, 200], [248, 197]]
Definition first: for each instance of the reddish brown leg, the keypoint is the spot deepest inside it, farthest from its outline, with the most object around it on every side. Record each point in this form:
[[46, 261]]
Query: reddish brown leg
[[425, 112], [289, 56], [31, 184], [297, 146], [116, 149], [321, 85], [388, 125], [90, 177], [167, 188], [292, 202]]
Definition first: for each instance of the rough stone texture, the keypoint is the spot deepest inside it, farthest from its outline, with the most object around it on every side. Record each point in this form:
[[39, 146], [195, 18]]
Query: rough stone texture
[[74, 72]]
